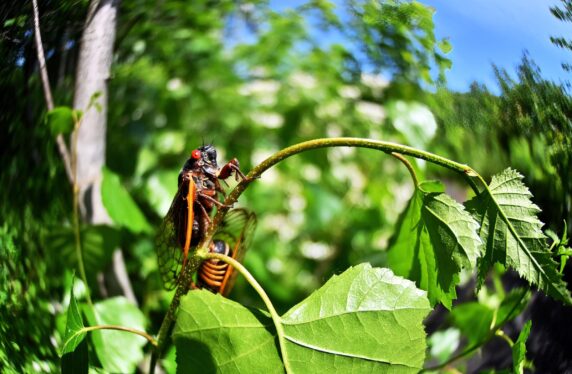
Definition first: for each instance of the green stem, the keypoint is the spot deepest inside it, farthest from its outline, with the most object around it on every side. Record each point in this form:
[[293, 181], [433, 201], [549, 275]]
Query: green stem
[[258, 288], [408, 166], [387, 147], [113, 327], [505, 337], [474, 347], [78, 250]]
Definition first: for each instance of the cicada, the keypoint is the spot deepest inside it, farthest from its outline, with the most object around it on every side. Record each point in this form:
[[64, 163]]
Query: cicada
[[189, 218]]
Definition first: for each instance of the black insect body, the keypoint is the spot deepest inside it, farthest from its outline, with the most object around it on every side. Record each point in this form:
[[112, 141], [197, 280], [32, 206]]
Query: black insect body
[[189, 217]]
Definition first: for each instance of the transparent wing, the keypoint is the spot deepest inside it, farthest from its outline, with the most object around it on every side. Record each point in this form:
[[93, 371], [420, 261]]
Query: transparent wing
[[237, 231], [170, 238]]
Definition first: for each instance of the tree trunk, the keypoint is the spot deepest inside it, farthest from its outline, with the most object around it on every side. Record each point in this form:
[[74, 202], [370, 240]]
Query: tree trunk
[[93, 71]]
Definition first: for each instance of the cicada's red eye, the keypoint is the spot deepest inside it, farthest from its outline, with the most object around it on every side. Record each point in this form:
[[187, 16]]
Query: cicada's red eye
[[196, 154]]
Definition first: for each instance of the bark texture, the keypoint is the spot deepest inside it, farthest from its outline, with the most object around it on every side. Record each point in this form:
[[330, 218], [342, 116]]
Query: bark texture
[[91, 96]]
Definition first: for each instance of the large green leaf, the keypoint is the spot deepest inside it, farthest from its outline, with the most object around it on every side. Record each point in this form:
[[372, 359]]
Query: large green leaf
[[214, 334], [119, 204], [434, 240], [364, 320], [512, 234], [118, 351]]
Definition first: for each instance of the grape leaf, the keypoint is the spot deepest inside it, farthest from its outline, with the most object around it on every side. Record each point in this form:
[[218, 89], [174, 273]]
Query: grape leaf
[[364, 320], [216, 334], [435, 238], [512, 234], [118, 351], [519, 349]]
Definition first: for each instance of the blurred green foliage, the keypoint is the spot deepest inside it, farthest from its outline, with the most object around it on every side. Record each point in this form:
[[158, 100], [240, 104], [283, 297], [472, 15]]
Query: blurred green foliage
[[251, 80]]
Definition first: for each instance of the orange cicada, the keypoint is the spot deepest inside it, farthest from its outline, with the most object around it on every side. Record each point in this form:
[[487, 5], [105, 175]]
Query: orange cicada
[[189, 218]]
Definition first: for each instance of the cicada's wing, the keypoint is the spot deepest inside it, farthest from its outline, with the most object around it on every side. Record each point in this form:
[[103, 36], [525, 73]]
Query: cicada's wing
[[236, 230], [171, 238]]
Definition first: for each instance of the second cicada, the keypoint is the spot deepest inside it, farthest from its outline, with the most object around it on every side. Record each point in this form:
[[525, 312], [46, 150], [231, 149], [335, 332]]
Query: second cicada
[[189, 218]]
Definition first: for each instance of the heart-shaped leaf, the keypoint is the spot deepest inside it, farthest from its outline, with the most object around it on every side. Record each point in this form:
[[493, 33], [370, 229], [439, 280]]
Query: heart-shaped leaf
[[364, 320]]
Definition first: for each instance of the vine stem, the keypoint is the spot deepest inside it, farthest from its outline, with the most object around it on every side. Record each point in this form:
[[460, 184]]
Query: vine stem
[[408, 166], [258, 288], [113, 327], [384, 146], [169, 318], [505, 337]]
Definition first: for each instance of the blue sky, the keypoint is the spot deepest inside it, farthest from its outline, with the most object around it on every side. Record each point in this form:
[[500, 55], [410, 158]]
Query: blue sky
[[483, 32]]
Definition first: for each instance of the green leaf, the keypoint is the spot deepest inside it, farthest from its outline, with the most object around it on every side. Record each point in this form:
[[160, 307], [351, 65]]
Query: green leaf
[[512, 234], [364, 320], [61, 120], [118, 351], [519, 349], [74, 325], [474, 320], [119, 204], [97, 245], [435, 238], [216, 334]]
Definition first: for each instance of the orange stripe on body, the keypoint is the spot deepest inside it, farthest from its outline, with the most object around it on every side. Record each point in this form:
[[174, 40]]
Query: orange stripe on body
[[190, 220]]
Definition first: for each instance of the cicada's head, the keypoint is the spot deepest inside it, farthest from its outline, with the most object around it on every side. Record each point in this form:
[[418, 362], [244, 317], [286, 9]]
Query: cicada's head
[[203, 159]]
